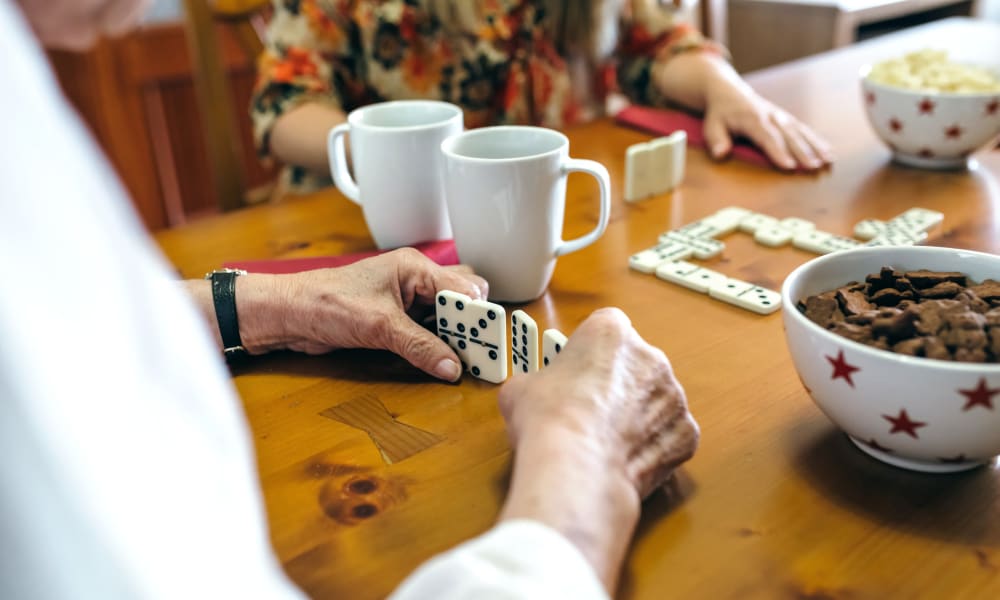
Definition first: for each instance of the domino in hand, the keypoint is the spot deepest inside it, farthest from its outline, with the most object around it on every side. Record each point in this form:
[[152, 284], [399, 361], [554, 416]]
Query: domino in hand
[[553, 341], [523, 342], [477, 331]]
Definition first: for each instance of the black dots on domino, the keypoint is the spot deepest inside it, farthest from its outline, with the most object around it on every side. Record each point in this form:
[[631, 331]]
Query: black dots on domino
[[546, 361], [762, 296], [475, 371], [460, 327], [493, 354], [461, 344], [442, 300]]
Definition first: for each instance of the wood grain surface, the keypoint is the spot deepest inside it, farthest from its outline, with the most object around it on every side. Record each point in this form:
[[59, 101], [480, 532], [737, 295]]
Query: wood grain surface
[[776, 504]]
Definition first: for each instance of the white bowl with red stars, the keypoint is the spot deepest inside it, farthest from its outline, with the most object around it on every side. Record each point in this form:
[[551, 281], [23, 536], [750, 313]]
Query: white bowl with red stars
[[931, 130], [912, 412]]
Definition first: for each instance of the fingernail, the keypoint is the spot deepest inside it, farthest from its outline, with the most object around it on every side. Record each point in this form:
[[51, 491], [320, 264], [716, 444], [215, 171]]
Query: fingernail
[[718, 149], [448, 370]]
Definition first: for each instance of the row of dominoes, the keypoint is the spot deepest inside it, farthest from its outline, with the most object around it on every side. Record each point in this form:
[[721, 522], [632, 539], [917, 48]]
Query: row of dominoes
[[905, 229], [654, 167], [734, 291], [697, 239], [477, 331]]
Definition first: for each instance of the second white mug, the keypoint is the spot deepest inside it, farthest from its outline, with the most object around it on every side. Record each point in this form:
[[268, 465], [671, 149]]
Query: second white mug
[[506, 193], [395, 151]]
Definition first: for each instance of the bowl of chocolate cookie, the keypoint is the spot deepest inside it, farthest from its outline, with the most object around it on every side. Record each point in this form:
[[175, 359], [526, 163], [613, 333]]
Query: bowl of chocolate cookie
[[900, 348]]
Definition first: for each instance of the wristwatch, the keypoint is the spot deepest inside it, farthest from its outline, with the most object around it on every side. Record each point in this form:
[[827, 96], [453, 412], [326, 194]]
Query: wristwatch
[[224, 298]]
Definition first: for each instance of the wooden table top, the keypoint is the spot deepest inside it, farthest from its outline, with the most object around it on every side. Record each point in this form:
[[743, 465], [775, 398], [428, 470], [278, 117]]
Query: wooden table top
[[776, 504]]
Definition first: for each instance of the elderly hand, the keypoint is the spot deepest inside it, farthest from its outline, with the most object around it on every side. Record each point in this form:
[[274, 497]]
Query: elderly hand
[[374, 303], [611, 394]]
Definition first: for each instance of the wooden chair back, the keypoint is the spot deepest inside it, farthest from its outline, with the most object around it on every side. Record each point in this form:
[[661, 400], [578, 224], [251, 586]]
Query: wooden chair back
[[215, 101]]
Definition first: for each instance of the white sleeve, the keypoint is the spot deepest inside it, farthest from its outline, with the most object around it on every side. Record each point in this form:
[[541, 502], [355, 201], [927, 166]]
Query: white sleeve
[[515, 559]]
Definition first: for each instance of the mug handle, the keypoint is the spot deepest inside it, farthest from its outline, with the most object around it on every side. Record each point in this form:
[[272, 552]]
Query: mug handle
[[598, 172], [338, 162]]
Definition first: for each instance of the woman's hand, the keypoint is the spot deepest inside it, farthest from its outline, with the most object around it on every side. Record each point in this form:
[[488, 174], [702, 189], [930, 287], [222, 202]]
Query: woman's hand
[[705, 82]]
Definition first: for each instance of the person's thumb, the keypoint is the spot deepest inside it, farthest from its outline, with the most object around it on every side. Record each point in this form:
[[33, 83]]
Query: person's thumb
[[423, 349]]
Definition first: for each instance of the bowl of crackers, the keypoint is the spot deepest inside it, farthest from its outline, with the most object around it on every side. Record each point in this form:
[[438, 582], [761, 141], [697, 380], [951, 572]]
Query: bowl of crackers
[[931, 111], [900, 348]]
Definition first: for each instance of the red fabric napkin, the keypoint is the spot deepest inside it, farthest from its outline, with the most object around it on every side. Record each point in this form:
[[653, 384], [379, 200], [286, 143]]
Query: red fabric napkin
[[664, 122], [442, 252]]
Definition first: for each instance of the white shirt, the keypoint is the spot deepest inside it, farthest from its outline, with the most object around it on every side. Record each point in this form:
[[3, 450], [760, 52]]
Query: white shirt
[[126, 467]]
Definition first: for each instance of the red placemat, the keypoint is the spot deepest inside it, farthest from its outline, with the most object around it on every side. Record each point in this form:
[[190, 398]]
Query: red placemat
[[660, 121], [442, 252]]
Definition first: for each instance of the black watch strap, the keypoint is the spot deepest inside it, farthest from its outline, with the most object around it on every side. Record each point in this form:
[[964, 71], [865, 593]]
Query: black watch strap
[[224, 298]]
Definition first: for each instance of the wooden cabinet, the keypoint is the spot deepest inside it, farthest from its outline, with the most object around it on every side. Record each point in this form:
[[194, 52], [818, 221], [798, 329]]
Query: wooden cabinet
[[767, 32], [137, 95]]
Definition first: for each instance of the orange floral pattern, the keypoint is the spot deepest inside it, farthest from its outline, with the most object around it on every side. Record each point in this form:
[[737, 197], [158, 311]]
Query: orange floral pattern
[[500, 66]]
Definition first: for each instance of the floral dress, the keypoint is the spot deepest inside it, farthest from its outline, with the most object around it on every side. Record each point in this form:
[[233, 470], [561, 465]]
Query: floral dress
[[498, 65]]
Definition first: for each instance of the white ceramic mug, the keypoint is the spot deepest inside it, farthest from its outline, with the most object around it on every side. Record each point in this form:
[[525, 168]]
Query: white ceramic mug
[[506, 193], [397, 176]]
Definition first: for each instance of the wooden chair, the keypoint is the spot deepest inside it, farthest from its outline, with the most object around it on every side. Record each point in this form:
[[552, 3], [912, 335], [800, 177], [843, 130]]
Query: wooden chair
[[215, 102]]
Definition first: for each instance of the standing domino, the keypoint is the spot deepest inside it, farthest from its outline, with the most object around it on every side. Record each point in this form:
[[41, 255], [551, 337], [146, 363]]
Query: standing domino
[[553, 341], [477, 331], [638, 172], [667, 155], [523, 342]]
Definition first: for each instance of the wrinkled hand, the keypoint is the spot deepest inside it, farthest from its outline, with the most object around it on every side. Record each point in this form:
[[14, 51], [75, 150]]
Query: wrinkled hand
[[374, 303], [609, 392], [733, 107]]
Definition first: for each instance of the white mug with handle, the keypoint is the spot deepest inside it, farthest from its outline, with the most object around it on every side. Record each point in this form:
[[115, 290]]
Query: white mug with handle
[[395, 151], [505, 188]]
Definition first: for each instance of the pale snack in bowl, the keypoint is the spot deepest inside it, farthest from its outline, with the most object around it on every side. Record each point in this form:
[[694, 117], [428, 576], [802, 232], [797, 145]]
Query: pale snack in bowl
[[915, 412], [932, 112], [932, 71]]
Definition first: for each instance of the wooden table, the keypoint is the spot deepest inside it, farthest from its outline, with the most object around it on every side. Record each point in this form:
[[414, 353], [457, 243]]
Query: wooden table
[[776, 504]]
